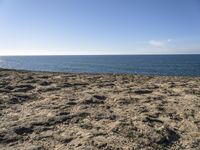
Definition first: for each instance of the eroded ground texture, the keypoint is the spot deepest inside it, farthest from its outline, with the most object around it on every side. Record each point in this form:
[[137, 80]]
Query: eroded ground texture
[[97, 111]]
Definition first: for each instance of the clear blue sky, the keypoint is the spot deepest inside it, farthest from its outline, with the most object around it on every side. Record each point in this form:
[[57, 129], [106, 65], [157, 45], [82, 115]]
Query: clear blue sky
[[99, 27]]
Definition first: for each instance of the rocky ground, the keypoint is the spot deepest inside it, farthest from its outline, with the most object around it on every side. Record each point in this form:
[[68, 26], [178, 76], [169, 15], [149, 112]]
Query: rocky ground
[[41, 110]]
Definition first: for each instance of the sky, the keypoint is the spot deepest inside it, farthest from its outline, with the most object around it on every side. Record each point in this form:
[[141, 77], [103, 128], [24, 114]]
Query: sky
[[84, 27]]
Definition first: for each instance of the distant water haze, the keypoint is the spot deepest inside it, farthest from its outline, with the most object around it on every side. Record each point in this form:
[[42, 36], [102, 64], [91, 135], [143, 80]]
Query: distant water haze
[[170, 65]]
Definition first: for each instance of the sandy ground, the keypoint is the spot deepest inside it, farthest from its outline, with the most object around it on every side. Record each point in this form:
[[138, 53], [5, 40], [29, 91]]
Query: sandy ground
[[98, 111]]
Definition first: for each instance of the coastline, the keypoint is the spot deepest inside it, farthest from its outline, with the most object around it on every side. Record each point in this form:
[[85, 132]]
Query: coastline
[[53, 110], [97, 73]]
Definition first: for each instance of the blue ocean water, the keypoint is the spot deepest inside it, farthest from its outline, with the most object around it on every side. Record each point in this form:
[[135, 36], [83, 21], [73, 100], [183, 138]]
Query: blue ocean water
[[178, 65]]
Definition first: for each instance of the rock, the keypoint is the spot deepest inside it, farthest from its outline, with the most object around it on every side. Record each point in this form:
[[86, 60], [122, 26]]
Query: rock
[[106, 85], [80, 84], [143, 91], [23, 130], [8, 137], [71, 103], [78, 117], [48, 89], [168, 137], [23, 88], [2, 90], [66, 85], [151, 120], [21, 97], [45, 83], [63, 113], [9, 87], [95, 99], [86, 125], [100, 97]]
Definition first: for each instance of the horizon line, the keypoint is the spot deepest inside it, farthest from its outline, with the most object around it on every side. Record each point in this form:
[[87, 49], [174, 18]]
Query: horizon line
[[96, 54]]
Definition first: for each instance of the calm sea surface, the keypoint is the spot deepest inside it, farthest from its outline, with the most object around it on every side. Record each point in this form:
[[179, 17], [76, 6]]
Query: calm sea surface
[[180, 65]]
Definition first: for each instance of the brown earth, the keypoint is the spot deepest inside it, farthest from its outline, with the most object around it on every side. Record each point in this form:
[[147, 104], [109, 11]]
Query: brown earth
[[41, 110]]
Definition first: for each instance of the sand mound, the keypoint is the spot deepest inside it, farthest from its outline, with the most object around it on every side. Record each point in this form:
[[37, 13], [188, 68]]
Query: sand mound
[[98, 111]]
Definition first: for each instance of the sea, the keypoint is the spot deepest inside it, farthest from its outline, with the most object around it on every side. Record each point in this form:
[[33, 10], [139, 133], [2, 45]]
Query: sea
[[164, 65]]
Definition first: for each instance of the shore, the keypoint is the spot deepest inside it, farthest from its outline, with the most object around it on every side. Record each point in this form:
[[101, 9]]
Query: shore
[[44, 110]]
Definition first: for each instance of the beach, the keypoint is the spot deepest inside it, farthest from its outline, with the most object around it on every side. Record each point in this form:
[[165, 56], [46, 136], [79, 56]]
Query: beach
[[49, 110]]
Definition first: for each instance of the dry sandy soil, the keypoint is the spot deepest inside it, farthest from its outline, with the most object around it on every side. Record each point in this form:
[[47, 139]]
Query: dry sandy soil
[[41, 110]]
